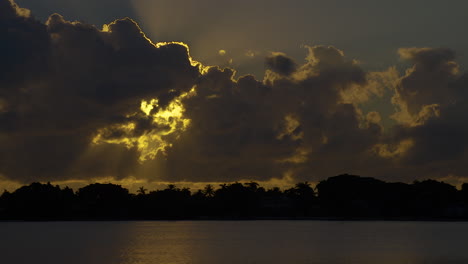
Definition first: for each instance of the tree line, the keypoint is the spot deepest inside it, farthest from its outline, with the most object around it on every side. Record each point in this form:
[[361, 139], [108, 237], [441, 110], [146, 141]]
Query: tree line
[[340, 197]]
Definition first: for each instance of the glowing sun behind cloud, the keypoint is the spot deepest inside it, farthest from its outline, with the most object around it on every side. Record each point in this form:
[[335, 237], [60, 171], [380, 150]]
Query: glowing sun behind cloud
[[169, 119]]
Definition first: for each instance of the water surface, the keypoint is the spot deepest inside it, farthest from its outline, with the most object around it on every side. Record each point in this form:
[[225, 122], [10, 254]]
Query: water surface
[[226, 242]]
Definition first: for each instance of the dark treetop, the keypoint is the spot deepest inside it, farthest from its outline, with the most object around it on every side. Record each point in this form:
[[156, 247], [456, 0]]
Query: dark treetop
[[339, 197]]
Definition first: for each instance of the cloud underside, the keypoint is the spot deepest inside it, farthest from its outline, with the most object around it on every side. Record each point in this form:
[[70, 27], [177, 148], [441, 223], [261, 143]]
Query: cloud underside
[[78, 102]]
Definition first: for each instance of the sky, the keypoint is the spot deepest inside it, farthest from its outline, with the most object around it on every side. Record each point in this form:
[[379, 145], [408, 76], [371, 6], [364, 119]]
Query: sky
[[141, 92]]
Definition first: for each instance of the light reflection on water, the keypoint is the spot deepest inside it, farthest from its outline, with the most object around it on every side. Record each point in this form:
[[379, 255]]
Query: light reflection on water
[[213, 242]]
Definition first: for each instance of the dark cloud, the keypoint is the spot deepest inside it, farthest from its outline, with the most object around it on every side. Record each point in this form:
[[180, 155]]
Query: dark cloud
[[428, 81], [281, 64], [24, 46], [233, 132], [432, 98], [78, 102], [63, 81], [246, 129]]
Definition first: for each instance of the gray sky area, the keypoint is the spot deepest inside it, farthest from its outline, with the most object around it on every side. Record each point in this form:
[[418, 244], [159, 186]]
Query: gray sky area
[[368, 30]]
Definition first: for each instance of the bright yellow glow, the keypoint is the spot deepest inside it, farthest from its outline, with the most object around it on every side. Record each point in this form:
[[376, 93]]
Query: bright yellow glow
[[170, 123], [148, 107], [105, 27], [222, 52], [103, 135]]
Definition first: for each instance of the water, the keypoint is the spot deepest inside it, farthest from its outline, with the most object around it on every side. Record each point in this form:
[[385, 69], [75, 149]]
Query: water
[[226, 242]]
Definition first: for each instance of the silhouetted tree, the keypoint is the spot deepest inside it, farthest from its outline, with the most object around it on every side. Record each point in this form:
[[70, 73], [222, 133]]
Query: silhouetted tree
[[208, 191], [104, 200], [433, 198], [237, 200], [170, 202], [340, 196], [350, 195], [142, 190], [38, 201], [464, 193], [303, 196]]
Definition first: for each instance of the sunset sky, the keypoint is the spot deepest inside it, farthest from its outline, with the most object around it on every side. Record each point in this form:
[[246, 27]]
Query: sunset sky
[[150, 92]]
